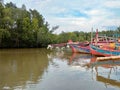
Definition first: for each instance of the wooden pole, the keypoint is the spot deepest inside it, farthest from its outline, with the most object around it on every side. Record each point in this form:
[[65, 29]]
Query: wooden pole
[[108, 58], [91, 34]]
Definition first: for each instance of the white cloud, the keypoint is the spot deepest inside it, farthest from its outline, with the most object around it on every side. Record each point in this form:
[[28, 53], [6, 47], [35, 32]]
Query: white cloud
[[94, 13], [112, 3]]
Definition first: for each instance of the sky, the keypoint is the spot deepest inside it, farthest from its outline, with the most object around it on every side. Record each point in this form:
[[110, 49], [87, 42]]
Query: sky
[[76, 15]]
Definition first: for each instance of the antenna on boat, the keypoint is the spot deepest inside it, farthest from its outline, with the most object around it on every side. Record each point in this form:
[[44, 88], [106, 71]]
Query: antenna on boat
[[96, 36], [91, 34]]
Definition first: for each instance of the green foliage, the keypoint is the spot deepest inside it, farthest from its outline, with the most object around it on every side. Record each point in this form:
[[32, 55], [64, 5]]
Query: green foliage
[[22, 28], [10, 5], [4, 37]]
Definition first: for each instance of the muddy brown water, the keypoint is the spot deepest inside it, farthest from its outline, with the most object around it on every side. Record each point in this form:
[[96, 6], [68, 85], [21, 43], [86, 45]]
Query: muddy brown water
[[40, 69]]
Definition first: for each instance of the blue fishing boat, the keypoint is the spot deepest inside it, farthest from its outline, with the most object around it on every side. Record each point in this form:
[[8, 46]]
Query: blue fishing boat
[[104, 51], [80, 48]]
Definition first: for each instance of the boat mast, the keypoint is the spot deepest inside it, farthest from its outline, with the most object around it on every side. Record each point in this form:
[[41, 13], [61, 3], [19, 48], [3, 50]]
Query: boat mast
[[96, 37], [91, 34]]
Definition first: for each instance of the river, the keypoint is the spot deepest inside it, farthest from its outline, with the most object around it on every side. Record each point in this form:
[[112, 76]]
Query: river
[[40, 69]]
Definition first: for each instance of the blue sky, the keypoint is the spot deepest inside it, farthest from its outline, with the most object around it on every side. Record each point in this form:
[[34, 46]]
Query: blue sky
[[76, 15]]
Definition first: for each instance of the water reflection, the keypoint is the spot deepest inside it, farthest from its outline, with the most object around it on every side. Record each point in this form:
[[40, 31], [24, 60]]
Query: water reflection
[[39, 69], [79, 59], [72, 59], [19, 67], [106, 72]]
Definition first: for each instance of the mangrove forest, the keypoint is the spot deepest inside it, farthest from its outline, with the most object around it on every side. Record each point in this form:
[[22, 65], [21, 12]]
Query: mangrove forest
[[21, 28]]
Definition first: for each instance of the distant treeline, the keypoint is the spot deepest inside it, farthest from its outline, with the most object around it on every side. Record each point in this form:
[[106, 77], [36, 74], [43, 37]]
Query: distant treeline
[[21, 28]]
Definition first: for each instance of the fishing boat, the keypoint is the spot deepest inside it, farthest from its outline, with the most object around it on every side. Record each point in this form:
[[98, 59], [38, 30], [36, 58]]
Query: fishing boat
[[56, 46], [110, 48], [84, 47], [104, 51], [81, 48], [62, 46]]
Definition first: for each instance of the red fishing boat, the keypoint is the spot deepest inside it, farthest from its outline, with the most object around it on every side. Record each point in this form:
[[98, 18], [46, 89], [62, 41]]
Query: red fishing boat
[[104, 51], [84, 47], [81, 47], [110, 48], [62, 45]]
